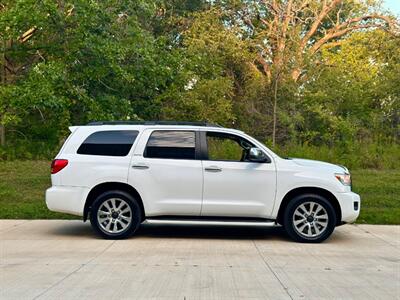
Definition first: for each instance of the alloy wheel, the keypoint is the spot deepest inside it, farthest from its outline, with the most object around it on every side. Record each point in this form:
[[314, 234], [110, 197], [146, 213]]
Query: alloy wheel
[[310, 219], [114, 215]]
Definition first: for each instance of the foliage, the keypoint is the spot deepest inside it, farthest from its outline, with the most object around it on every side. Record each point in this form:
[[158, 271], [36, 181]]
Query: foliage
[[68, 62], [356, 97], [209, 58], [352, 155], [85, 61]]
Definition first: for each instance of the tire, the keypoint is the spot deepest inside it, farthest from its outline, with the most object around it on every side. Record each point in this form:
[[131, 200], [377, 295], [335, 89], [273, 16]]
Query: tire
[[309, 218], [115, 215]]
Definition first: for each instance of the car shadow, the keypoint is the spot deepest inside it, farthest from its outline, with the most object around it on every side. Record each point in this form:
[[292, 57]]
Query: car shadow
[[165, 231], [76, 229], [82, 230], [227, 232]]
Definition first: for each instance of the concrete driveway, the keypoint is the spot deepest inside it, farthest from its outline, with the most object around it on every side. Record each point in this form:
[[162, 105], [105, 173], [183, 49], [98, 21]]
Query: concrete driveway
[[64, 259]]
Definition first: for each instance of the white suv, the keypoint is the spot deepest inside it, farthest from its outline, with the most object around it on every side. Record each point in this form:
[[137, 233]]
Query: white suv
[[119, 174]]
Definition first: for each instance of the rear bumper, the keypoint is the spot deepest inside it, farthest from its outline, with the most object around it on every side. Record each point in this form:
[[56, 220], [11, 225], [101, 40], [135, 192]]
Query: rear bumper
[[66, 199], [350, 204]]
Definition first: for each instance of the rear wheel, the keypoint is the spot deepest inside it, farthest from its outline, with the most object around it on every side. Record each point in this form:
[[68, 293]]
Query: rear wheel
[[115, 215], [309, 218]]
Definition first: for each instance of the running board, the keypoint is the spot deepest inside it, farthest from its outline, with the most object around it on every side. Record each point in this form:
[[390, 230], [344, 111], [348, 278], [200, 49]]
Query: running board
[[211, 221]]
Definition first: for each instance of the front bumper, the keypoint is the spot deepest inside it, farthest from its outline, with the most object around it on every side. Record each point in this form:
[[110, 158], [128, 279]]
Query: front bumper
[[66, 199], [350, 204]]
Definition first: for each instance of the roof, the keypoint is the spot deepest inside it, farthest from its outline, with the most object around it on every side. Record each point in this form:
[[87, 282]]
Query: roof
[[149, 123]]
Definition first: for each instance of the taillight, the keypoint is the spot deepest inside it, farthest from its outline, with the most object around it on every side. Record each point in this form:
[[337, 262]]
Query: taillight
[[57, 165]]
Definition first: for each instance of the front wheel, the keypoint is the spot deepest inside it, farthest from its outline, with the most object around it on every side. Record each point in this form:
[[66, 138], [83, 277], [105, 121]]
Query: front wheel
[[115, 215], [309, 218]]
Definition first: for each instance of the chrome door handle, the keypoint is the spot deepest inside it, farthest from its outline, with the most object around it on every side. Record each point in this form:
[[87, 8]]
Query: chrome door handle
[[140, 167], [214, 169]]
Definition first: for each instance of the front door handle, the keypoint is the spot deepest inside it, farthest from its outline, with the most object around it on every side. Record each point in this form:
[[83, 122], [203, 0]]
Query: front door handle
[[140, 167], [214, 169]]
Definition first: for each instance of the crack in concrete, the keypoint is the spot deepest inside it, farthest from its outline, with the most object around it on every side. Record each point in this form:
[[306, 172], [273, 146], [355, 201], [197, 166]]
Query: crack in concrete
[[285, 288], [375, 236], [73, 272], [12, 227]]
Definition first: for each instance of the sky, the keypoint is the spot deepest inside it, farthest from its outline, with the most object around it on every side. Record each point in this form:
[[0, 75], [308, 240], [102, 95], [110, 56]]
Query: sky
[[393, 5]]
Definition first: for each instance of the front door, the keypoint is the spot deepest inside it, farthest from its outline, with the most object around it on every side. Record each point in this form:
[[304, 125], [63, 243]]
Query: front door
[[233, 185]]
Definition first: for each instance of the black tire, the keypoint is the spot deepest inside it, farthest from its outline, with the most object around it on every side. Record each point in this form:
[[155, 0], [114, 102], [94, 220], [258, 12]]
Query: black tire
[[121, 198], [312, 223]]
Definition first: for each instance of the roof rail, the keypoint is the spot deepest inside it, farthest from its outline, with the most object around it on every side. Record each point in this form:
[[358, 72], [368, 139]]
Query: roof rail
[[183, 123]]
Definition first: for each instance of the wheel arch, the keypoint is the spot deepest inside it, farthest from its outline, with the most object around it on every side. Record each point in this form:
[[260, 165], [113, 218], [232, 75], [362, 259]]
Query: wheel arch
[[309, 190], [108, 186]]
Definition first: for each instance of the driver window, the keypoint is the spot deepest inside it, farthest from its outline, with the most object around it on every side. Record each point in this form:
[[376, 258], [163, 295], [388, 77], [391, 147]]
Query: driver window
[[227, 147]]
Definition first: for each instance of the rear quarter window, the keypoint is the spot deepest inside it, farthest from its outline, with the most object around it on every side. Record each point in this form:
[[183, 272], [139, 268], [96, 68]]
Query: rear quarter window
[[109, 143]]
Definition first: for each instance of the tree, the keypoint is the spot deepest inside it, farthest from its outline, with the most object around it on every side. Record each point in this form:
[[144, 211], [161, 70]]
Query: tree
[[293, 70], [71, 62], [354, 93], [207, 59], [288, 35]]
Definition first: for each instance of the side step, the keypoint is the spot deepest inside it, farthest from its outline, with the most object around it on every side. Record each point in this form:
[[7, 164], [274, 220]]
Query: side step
[[178, 220]]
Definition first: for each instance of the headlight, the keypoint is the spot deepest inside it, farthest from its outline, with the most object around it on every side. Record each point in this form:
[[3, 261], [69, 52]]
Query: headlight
[[345, 178]]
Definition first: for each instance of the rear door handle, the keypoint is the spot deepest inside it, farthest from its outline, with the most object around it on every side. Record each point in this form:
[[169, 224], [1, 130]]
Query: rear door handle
[[214, 169], [140, 167]]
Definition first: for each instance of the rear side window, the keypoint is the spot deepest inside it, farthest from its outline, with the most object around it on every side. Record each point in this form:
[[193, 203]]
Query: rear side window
[[171, 144], [109, 143]]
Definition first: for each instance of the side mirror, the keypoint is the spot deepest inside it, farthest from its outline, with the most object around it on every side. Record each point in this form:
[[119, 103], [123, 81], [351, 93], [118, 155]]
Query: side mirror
[[257, 155]]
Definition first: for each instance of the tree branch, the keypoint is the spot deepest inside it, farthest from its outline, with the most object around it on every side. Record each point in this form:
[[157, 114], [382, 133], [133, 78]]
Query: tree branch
[[326, 8], [27, 34], [265, 66], [347, 26]]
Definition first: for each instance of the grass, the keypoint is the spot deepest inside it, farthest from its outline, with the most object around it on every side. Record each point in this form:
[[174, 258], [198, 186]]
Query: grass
[[22, 188], [380, 195], [23, 184]]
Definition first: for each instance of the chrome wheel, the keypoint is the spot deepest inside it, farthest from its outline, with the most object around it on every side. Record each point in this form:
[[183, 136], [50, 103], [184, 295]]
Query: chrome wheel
[[114, 215], [310, 219]]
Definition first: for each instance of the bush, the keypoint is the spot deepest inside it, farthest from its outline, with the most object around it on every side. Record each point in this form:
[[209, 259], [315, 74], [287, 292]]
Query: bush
[[352, 155], [29, 150]]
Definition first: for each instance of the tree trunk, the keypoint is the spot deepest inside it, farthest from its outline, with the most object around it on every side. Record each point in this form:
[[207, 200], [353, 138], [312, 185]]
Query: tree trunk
[[3, 79], [276, 83], [2, 135]]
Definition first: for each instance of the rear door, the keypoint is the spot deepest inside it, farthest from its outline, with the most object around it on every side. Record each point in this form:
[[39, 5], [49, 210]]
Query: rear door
[[166, 171], [233, 185]]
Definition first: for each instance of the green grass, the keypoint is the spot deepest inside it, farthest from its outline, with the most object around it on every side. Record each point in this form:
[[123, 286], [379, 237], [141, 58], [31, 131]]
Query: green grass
[[22, 188], [23, 183], [380, 195]]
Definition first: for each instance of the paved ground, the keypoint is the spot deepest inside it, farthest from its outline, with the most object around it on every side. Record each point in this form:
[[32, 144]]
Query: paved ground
[[64, 259]]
